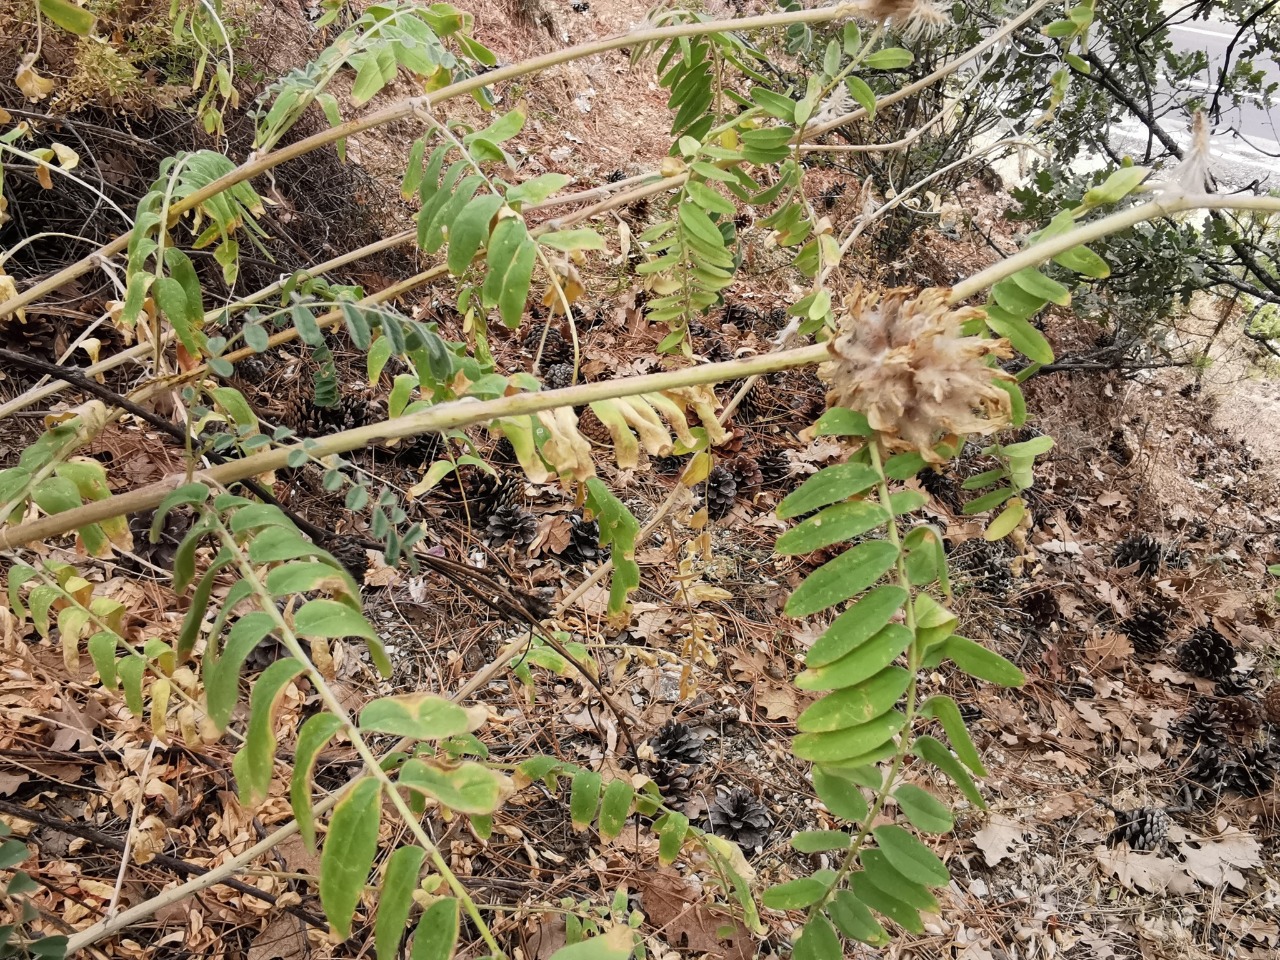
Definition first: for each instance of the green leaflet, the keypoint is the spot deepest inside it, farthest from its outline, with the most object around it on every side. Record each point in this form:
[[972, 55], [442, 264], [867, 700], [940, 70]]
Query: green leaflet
[[856, 625], [584, 797], [855, 705], [349, 849], [880, 871], [254, 763], [840, 794], [615, 807], [910, 857], [794, 894], [222, 673], [851, 742], [900, 913], [618, 530], [864, 661], [977, 661], [511, 256], [854, 920], [844, 577], [923, 809], [817, 941], [436, 935], [828, 485], [671, 833], [841, 521], [316, 732], [466, 787], [417, 715], [395, 899]]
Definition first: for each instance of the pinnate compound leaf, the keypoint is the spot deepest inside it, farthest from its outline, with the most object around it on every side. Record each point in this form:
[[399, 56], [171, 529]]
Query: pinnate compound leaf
[[466, 787], [794, 894], [910, 857], [349, 849], [821, 841], [856, 625], [418, 715], [436, 935], [880, 871], [849, 743], [395, 900], [923, 809], [854, 920], [584, 798], [855, 705], [817, 941], [945, 711], [255, 762], [316, 732], [840, 794], [904, 916], [979, 662], [841, 521], [618, 530], [828, 485], [864, 661], [844, 577]]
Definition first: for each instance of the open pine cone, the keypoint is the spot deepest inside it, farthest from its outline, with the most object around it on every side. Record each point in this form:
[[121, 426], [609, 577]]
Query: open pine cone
[[1147, 630], [1143, 829], [739, 816], [721, 491], [1144, 550], [1207, 653], [510, 522], [353, 557]]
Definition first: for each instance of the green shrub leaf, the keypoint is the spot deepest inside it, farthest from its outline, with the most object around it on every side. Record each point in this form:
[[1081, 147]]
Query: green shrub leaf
[[255, 762], [865, 661], [856, 625], [855, 705], [923, 809], [795, 894], [436, 935], [854, 920], [584, 798], [316, 732], [615, 807], [820, 841], [828, 485], [844, 577], [977, 661], [841, 521], [880, 871], [418, 715], [910, 857], [395, 899], [841, 795], [904, 916], [850, 742], [349, 849]]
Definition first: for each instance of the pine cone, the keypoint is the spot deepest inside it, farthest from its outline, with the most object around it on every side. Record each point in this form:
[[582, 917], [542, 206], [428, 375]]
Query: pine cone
[[353, 557], [1199, 725], [555, 349], [1271, 705], [755, 404], [676, 742], [830, 196], [33, 335], [775, 467], [1242, 714], [1207, 769], [250, 371], [941, 488], [1141, 549], [1143, 829], [558, 376], [720, 492], [268, 651], [1207, 653], [673, 778], [739, 816], [584, 541], [1041, 608], [985, 566], [473, 493], [1147, 630], [667, 466], [419, 451], [776, 319], [614, 176], [161, 553], [511, 522], [1118, 448], [740, 315], [1255, 771], [503, 452], [747, 474]]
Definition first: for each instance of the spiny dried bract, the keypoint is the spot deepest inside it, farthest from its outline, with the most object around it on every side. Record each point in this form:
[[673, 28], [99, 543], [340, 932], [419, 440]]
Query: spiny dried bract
[[353, 557], [510, 522], [1144, 550], [676, 741], [737, 815], [1143, 829], [903, 361], [1207, 653], [584, 541], [721, 490], [1147, 630]]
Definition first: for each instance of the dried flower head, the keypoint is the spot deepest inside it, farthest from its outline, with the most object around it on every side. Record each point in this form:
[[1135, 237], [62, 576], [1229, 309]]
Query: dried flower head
[[913, 19], [902, 360], [1191, 177]]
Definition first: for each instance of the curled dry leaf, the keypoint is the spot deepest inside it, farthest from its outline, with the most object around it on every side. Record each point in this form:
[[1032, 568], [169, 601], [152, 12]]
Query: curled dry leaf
[[33, 86]]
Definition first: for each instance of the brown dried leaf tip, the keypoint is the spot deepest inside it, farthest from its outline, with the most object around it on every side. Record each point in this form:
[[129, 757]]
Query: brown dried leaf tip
[[901, 359]]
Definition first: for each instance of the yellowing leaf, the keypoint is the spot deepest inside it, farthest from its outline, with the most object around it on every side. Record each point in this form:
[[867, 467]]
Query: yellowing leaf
[[67, 158], [33, 86]]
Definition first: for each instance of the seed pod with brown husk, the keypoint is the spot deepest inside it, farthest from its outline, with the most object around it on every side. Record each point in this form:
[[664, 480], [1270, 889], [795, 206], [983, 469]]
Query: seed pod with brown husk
[[1207, 653], [1143, 829], [721, 490], [902, 360], [737, 815], [1140, 549], [1147, 630]]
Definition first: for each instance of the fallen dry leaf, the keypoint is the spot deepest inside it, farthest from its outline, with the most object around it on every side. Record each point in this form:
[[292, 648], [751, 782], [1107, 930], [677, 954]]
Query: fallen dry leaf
[[998, 838]]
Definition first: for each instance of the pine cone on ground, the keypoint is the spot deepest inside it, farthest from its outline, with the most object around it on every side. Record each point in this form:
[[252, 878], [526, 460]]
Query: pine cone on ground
[[33, 335], [353, 557], [755, 404], [941, 488], [1118, 448], [555, 349], [1255, 771], [740, 315], [720, 491], [558, 376], [1041, 607], [1141, 549], [418, 452], [268, 651], [614, 176], [1242, 715], [250, 371], [747, 474], [675, 741], [1201, 724], [159, 554], [1271, 705], [775, 467], [737, 815], [510, 522], [1147, 630], [830, 196], [473, 493], [503, 452], [667, 466], [584, 541], [984, 566], [1206, 770], [1207, 653], [1143, 829]]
